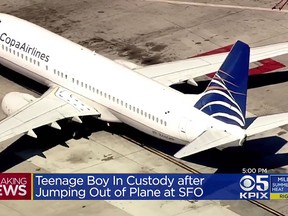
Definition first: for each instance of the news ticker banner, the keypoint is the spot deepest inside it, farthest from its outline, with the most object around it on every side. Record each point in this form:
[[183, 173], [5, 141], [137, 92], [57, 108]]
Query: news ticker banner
[[27, 186]]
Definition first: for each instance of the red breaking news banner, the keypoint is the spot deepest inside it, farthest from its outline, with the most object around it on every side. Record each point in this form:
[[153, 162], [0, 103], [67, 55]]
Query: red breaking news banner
[[15, 186]]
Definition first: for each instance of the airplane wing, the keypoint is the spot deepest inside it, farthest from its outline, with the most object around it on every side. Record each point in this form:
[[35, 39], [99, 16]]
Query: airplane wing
[[175, 72], [56, 104], [209, 139]]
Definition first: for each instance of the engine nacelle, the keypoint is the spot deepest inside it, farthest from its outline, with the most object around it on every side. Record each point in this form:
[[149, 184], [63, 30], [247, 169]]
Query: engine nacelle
[[14, 101]]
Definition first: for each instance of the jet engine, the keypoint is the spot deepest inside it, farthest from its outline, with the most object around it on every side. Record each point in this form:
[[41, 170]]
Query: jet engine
[[14, 101]]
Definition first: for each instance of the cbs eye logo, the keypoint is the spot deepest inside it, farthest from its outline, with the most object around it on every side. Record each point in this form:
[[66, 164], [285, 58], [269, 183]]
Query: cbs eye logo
[[248, 183]]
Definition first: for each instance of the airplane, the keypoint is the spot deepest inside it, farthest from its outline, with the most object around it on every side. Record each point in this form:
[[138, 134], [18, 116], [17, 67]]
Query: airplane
[[84, 83]]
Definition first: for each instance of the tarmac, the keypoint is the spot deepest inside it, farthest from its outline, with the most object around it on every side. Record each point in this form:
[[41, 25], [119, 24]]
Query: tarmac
[[148, 32]]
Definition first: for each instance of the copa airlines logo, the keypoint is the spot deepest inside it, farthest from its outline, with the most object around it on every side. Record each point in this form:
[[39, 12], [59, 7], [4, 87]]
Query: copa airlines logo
[[254, 187], [219, 101], [24, 47], [15, 186]]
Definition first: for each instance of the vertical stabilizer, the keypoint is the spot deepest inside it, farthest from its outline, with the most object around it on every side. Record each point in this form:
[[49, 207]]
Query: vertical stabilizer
[[226, 95]]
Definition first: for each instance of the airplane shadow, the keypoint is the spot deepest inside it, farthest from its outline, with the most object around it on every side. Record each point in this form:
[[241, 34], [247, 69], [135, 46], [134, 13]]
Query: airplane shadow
[[47, 138], [256, 153]]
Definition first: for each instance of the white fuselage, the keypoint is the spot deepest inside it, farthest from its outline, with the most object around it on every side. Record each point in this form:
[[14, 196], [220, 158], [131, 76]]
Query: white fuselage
[[118, 93]]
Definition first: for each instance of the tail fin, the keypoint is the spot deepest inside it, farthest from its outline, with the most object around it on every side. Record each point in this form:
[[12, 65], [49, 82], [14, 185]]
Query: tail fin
[[226, 95]]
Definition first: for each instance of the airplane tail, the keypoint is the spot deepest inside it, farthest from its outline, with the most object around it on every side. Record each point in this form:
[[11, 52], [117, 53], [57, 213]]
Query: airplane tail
[[226, 95], [225, 99]]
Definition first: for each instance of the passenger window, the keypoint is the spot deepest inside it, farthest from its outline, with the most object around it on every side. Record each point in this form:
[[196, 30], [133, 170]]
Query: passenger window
[[105, 94], [165, 123], [77, 82], [18, 54], [117, 101], [81, 84], [2, 46], [149, 116], [137, 110], [141, 112], [161, 121], [145, 114], [10, 50], [157, 119], [130, 107], [121, 103], [26, 57], [133, 109], [6, 48], [30, 60], [66, 76], [86, 85], [126, 105], [73, 80], [93, 89], [34, 61], [38, 63], [13, 52]]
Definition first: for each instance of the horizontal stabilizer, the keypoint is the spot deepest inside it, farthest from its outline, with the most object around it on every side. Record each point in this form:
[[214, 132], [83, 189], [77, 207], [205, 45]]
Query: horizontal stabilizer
[[265, 123], [209, 139]]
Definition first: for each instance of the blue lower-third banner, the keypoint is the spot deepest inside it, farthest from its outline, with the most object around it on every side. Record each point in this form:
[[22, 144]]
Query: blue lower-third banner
[[159, 186]]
